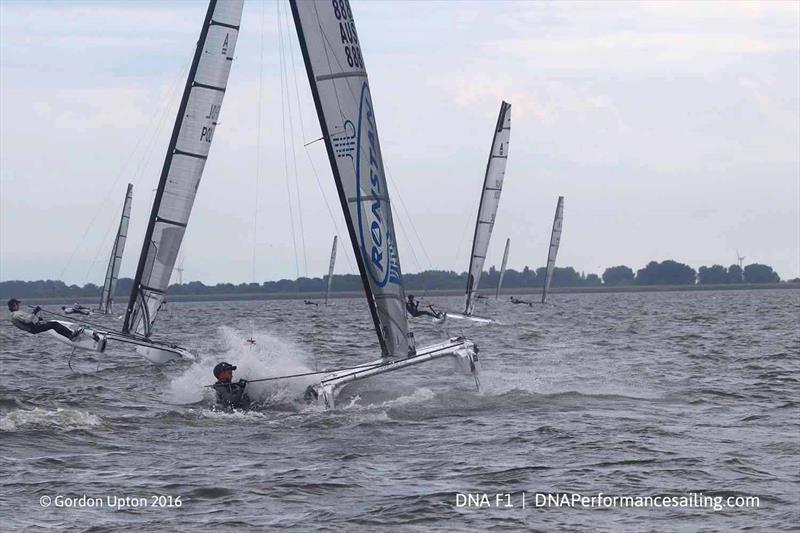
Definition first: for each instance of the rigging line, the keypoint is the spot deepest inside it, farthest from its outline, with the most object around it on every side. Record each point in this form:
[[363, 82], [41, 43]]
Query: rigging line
[[311, 160], [283, 134], [457, 255], [258, 145], [294, 154], [108, 193], [410, 218]]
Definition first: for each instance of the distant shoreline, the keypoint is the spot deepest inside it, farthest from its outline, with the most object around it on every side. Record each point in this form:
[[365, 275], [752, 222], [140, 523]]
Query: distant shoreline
[[318, 296]]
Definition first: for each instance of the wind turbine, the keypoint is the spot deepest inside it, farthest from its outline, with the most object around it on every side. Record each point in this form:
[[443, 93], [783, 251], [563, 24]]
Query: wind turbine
[[179, 270], [740, 258]]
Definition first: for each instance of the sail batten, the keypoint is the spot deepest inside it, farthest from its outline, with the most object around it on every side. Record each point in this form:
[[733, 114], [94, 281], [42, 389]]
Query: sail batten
[[490, 201], [331, 265], [332, 54], [555, 241], [503, 268], [187, 153], [115, 261]]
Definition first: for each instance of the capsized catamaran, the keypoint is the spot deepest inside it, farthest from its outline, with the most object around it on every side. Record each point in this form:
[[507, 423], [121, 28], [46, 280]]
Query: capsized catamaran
[[502, 269], [335, 67], [487, 211], [112, 272], [180, 177], [555, 240]]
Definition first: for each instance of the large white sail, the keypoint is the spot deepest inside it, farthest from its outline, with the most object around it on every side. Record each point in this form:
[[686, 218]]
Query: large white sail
[[112, 272], [555, 240], [186, 157], [490, 200], [330, 269], [503, 268], [335, 67]]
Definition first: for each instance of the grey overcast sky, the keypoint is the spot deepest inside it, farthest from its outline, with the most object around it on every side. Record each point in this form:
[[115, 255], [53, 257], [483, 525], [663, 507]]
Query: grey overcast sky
[[672, 129]]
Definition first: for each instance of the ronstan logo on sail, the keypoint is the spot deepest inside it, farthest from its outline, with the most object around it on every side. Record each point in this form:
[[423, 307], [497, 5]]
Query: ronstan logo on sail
[[377, 244]]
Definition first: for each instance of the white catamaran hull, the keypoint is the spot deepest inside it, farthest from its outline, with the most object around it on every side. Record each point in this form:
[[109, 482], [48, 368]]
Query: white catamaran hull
[[84, 341], [463, 351], [471, 318]]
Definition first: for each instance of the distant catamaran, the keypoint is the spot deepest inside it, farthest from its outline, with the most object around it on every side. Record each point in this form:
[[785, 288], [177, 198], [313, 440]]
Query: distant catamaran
[[330, 269], [555, 240], [335, 67], [180, 177], [188, 150], [112, 272], [502, 269], [487, 212]]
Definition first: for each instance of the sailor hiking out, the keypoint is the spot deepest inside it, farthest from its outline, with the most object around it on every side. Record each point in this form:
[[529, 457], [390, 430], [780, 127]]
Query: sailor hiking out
[[33, 323], [412, 306], [515, 300]]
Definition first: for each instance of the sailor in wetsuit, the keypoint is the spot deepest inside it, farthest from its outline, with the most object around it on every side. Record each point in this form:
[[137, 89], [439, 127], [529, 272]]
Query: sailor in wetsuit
[[518, 301], [412, 306], [230, 395], [33, 324]]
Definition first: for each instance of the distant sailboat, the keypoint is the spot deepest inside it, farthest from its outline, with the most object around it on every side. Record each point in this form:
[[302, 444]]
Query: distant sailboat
[[487, 211], [502, 269], [112, 272], [334, 64], [555, 240], [330, 269], [180, 177], [183, 168]]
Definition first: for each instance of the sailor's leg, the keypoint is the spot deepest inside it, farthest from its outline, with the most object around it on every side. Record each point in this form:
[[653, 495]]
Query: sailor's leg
[[60, 328]]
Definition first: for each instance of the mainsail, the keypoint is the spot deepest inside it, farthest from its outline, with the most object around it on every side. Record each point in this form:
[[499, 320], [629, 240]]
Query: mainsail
[[338, 79], [330, 269], [503, 268], [490, 200], [112, 273], [555, 240], [183, 166]]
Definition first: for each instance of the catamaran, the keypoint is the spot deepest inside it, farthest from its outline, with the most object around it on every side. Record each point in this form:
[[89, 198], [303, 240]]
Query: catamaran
[[112, 272], [180, 177], [340, 87], [330, 269], [555, 240], [487, 211], [502, 269]]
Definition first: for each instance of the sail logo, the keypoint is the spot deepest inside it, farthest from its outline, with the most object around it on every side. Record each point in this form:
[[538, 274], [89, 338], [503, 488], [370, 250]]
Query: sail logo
[[374, 231], [344, 144]]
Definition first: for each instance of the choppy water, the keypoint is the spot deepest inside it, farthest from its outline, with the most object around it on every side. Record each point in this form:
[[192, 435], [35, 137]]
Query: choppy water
[[624, 394]]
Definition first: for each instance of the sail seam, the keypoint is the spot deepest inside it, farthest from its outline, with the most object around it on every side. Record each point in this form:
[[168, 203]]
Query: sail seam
[[328, 77], [223, 24], [209, 87], [189, 154]]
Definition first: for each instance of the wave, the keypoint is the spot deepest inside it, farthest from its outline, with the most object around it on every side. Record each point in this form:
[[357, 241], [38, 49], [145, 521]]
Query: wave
[[63, 419]]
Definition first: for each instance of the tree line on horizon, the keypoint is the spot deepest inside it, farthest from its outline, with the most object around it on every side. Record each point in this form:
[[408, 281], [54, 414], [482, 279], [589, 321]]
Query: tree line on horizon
[[667, 272]]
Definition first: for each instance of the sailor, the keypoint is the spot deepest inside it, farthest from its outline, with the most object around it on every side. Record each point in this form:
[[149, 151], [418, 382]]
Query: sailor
[[230, 395], [412, 306], [518, 301], [76, 308], [32, 323], [309, 302]]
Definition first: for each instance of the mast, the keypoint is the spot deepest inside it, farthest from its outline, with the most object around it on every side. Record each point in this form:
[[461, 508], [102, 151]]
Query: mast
[[187, 152], [112, 272], [490, 201], [555, 240], [335, 67], [503, 269], [330, 269]]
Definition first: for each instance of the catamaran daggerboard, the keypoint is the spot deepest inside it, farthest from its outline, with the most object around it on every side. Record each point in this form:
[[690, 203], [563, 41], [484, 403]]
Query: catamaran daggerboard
[[180, 177], [335, 67]]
